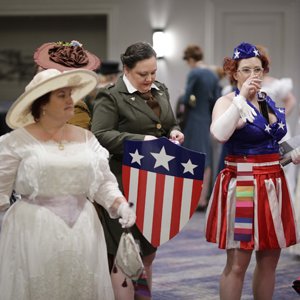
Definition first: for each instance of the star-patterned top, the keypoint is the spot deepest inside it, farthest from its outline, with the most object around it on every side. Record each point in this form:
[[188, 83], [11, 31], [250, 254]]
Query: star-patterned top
[[259, 137], [164, 157]]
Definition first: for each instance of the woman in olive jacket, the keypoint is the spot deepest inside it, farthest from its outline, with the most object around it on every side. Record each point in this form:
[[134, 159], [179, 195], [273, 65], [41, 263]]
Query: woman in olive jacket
[[122, 112]]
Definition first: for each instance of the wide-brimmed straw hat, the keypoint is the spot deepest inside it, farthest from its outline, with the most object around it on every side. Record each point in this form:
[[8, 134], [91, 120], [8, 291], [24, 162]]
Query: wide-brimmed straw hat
[[81, 81], [65, 56]]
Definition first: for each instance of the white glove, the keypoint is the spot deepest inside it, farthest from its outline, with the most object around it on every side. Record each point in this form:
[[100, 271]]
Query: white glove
[[127, 215], [223, 127], [245, 110], [295, 156], [149, 138], [176, 137]]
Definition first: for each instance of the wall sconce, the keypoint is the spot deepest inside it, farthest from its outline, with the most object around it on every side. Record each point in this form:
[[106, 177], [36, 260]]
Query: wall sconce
[[159, 42]]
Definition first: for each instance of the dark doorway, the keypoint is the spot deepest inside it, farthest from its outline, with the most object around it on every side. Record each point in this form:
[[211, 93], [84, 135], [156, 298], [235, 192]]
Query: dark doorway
[[23, 34]]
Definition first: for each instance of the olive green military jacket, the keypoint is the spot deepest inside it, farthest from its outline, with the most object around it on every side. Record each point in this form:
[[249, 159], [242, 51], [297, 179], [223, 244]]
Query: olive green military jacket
[[119, 116]]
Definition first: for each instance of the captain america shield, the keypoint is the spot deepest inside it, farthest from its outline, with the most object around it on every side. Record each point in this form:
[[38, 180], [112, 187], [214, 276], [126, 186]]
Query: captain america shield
[[164, 182]]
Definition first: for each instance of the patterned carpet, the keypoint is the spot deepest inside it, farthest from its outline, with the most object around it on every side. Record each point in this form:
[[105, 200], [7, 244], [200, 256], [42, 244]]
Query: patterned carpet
[[188, 268]]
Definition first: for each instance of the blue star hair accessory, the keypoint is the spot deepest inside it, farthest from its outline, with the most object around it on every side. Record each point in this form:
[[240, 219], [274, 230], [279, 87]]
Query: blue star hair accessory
[[245, 50]]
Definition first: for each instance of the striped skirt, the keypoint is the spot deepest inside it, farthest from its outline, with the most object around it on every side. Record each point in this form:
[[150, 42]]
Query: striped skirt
[[274, 224]]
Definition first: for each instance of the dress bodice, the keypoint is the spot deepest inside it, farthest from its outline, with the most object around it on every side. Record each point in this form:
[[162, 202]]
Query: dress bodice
[[258, 137], [34, 168]]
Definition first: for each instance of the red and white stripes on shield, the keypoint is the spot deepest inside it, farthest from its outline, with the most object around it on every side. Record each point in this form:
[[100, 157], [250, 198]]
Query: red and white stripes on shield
[[163, 204]]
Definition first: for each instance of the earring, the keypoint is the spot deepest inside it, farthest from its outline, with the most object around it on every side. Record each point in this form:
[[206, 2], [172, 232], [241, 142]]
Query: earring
[[43, 112]]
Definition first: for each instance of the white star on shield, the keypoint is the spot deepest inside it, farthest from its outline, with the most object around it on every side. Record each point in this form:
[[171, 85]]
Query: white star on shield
[[136, 157], [162, 159], [189, 167]]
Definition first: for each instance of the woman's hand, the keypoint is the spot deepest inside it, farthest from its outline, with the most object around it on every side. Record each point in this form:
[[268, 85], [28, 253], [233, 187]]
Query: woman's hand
[[149, 138], [247, 113], [127, 215], [295, 156], [177, 136], [250, 87]]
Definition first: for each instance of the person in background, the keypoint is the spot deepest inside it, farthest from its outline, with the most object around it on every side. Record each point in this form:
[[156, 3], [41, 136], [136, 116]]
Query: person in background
[[136, 107], [201, 92], [65, 56], [250, 208], [52, 244], [281, 91], [108, 73]]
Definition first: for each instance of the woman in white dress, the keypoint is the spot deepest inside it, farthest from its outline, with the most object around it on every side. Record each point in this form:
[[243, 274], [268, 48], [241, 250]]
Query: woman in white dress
[[51, 242]]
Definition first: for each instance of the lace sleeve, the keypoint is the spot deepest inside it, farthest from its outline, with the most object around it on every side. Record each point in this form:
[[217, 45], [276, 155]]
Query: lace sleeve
[[285, 85], [104, 187], [9, 162], [278, 89]]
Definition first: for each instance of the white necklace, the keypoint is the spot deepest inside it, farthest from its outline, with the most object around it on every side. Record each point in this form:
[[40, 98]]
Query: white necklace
[[59, 142]]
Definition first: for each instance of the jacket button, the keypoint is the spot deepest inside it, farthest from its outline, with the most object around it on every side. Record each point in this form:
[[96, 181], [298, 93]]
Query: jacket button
[[158, 126]]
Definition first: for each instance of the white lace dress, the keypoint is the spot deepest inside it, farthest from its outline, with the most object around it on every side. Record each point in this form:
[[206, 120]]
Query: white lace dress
[[52, 244]]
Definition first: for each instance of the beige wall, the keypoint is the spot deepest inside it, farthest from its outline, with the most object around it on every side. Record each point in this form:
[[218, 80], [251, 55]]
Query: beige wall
[[216, 25], [26, 33]]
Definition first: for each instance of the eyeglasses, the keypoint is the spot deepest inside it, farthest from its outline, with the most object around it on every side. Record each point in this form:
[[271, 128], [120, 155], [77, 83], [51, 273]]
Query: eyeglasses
[[248, 71]]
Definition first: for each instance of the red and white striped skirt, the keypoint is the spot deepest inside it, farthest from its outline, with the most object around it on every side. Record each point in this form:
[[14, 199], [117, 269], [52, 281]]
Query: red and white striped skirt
[[274, 223]]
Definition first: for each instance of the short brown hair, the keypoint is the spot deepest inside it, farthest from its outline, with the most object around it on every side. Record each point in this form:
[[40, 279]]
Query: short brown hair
[[193, 51]]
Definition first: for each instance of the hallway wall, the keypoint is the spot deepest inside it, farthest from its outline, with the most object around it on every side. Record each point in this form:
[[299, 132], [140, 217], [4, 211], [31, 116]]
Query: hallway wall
[[216, 25]]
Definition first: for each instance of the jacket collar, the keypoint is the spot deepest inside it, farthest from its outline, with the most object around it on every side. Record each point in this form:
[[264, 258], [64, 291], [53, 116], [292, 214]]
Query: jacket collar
[[131, 89], [138, 102]]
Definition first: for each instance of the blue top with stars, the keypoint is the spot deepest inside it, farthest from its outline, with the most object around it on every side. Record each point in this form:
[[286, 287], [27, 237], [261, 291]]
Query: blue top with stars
[[258, 137]]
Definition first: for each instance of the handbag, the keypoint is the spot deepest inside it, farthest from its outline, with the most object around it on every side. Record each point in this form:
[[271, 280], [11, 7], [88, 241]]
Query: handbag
[[128, 258]]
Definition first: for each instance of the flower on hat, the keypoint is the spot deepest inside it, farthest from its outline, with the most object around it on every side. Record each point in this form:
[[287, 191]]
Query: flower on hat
[[69, 54], [73, 43], [64, 56], [245, 50]]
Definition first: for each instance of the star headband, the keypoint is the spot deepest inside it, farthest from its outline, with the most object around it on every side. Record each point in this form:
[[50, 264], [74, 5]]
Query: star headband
[[245, 50]]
